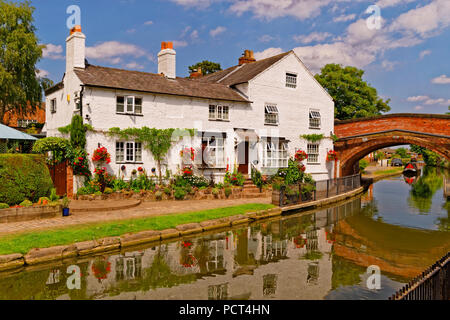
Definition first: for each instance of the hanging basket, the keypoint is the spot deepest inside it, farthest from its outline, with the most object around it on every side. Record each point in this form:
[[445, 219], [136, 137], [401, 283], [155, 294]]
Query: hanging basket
[[331, 156], [300, 155]]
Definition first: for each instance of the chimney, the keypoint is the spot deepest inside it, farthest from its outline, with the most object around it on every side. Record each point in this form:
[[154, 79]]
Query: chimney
[[247, 57], [75, 49], [167, 60], [196, 73]]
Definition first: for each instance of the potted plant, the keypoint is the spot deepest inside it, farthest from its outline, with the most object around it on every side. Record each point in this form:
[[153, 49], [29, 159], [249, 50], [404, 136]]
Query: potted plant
[[65, 205]]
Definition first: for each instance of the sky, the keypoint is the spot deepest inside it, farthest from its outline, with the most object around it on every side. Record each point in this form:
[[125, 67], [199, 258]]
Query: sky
[[403, 45]]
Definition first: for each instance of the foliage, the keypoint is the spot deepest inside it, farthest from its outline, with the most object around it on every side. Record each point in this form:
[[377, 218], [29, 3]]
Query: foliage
[[108, 191], [19, 53], [26, 203], [293, 174], [380, 155], [4, 206], [353, 97], [312, 255], [228, 192], [331, 155], [236, 178], [119, 185], [429, 157], [363, 164], [179, 193], [103, 179], [313, 137], [67, 129], [53, 196], [23, 177], [257, 178], [158, 195], [334, 138], [65, 202], [402, 152], [57, 146], [300, 155], [77, 132], [79, 161], [308, 188], [215, 192], [207, 67]]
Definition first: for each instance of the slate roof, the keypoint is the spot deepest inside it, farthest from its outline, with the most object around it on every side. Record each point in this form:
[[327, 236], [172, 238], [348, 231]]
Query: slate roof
[[242, 74], [155, 83], [8, 133]]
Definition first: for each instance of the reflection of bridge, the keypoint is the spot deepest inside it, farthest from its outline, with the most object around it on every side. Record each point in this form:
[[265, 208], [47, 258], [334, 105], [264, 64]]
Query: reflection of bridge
[[359, 137]]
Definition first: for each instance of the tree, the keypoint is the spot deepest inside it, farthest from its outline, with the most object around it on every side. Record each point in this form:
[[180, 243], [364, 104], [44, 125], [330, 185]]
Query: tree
[[402, 152], [208, 67], [353, 97], [19, 53], [77, 132], [380, 155], [46, 83]]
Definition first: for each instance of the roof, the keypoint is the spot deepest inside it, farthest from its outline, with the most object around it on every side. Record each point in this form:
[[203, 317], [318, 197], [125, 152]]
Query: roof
[[13, 134], [154, 83], [55, 88], [244, 73]]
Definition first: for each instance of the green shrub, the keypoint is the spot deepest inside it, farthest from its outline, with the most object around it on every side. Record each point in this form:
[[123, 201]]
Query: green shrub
[[4, 206], [108, 191], [215, 192], [98, 193], [83, 191], [228, 192], [167, 191], [179, 193], [363, 164], [26, 203], [236, 178], [158, 195], [53, 196], [23, 176]]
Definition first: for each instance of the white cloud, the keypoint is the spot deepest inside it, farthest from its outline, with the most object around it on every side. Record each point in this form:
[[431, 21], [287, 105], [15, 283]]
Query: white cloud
[[148, 23], [179, 43], [426, 100], [388, 65], [424, 53], [443, 79], [270, 52], [266, 38], [194, 3], [345, 18], [194, 35], [134, 66], [52, 51], [418, 108], [312, 37], [113, 51], [40, 73], [215, 32], [392, 3], [131, 31]]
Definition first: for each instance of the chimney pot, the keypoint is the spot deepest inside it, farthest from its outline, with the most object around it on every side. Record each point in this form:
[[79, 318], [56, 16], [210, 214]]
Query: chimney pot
[[247, 57], [75, 29]]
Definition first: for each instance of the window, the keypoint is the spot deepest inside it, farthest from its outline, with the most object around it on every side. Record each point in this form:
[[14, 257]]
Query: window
[[25, 123], [291, 80], [53, 105], [313, 153], [128, 152], [271, 115], [214, 155], [314, 119], [275, 155], [217, 112], [129, 104]]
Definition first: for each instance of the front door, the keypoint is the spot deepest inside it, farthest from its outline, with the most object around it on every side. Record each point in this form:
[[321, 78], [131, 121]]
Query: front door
[[243, 157]]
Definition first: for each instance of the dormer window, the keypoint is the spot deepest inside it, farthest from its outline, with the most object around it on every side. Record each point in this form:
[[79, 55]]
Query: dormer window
[[291, 80], [314, 119]]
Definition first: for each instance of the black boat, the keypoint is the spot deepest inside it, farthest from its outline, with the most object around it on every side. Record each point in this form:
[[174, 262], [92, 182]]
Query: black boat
[[411, 169]]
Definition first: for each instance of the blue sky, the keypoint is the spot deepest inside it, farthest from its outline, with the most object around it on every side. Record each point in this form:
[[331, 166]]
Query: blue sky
[[406, 59]]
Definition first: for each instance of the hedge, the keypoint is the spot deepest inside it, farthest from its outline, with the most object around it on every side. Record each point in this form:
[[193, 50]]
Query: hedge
[[23, 176]]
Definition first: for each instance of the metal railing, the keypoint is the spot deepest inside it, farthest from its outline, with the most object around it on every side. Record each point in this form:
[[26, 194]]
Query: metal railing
[[323, 190], [432, 284]]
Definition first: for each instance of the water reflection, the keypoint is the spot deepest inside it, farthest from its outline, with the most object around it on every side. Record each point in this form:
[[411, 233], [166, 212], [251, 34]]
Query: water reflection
[[317, 255], [425, 188]]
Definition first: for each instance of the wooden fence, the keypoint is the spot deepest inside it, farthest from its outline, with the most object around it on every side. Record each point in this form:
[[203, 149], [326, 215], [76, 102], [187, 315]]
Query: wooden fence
[[432, 284]]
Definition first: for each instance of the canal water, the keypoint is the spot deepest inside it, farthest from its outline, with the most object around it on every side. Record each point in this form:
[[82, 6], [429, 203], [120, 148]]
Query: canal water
[[401, 225]]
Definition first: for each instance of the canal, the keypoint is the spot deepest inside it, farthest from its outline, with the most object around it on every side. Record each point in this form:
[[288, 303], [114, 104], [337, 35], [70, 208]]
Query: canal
[[400, 225]]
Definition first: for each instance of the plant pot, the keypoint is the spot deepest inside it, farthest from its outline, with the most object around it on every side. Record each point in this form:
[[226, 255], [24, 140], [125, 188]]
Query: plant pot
[[66, 212]]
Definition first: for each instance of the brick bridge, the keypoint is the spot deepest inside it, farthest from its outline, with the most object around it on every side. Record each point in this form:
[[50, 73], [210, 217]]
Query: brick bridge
[[359, 137]]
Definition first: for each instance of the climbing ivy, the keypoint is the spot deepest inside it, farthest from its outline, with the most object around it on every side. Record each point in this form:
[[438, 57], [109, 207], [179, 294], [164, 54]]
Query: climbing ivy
[[312, 137]]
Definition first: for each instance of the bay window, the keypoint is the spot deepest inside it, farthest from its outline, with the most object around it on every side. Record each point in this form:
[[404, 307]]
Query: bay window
[[275, 154], [213, 151]]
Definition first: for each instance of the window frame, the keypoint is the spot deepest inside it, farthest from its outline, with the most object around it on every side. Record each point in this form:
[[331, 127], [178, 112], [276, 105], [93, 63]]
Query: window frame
[[312, 155], [206, 147], [275, 152], [132, 110], [219, 115], [271, 109], [53, 105], [291, 76], [136, 152], [315, 115]]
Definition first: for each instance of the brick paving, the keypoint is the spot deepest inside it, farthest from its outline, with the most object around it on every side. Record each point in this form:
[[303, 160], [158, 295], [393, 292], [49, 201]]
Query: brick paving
[[145, 209]]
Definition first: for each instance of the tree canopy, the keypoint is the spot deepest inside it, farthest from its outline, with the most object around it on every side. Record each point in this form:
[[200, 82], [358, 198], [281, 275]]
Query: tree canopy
[[19, 53], [207, 67], [353, 97]]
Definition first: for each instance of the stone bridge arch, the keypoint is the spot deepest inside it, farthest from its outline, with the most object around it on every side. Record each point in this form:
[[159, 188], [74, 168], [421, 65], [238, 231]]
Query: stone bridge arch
[[359, 137]]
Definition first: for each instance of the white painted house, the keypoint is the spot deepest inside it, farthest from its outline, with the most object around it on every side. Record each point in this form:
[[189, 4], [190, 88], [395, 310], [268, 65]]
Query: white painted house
[[252, 114]]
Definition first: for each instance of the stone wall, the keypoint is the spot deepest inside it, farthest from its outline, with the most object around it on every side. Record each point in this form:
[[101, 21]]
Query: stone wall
[[29, 213]]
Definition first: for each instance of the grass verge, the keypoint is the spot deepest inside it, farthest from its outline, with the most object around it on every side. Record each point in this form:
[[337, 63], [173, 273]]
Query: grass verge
[[389, 171], [24, 242]]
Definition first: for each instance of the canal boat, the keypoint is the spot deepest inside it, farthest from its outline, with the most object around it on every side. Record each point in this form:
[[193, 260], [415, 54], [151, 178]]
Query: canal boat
[[411, 169]]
